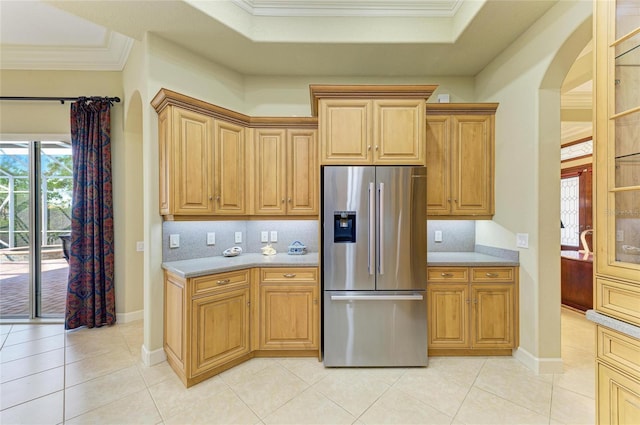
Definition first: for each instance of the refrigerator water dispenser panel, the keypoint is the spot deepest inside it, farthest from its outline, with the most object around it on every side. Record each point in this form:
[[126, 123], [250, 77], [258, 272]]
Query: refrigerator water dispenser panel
[[344, 227]]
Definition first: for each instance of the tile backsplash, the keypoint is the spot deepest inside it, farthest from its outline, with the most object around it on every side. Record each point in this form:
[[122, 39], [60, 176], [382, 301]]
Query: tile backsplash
[[457, 235], [193, 236]]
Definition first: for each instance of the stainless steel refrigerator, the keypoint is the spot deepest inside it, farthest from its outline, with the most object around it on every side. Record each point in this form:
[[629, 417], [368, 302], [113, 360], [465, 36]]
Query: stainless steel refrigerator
[[374, 266]]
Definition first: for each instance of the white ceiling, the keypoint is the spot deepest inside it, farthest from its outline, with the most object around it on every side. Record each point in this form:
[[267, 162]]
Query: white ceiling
[[284, 37]]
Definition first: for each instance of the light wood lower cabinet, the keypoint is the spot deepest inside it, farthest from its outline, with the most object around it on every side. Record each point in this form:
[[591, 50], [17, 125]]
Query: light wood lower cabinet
[[210, 322], [289, 309], [472, 310]]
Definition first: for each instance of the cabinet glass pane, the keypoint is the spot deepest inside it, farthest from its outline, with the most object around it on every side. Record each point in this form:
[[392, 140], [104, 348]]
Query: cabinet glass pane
[[627, 17], [627, 150], [627, 78], [627, 222]]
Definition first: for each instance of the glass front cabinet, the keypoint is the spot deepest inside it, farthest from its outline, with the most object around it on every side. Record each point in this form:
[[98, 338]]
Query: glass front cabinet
[[617, 210]]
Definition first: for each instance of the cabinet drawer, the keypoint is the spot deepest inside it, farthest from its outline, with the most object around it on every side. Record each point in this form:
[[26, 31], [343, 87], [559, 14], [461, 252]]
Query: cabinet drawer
[[492, 274], [205, 284], [447, 274], [618, 299], [619, 350], [289, 274]]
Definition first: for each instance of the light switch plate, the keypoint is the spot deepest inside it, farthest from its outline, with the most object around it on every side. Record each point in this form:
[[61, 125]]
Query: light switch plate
[[264, 236], [211, 238], [238, 238], [274, 236], [522, 240], [174, 241], [438, 236], [140, 246], [620, 236]]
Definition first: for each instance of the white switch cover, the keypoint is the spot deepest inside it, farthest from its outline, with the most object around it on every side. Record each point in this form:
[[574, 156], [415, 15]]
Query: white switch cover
[[264, 236], [274, 236], [620, 236], [238, 237], [140, 246], [522, 240], [174, 241], [211, 238], [438, 236]]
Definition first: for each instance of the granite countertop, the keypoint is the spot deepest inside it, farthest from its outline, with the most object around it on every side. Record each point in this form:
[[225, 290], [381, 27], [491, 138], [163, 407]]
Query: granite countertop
[[613, 323], [209, 265], [468, 259]]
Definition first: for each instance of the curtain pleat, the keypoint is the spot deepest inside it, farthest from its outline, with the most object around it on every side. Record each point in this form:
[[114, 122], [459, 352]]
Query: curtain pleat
[[90, 291]]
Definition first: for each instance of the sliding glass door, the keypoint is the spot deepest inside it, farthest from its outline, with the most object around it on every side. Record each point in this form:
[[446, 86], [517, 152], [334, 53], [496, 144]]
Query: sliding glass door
[[35, 209]]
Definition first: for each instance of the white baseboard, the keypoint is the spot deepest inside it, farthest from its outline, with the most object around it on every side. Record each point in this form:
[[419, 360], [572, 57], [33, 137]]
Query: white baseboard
[[129, 317], [150, 358], [538, 365]]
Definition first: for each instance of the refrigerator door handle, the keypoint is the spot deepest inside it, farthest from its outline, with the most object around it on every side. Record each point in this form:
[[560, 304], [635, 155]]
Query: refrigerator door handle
[[372, 223], [381, 232], [412, 297]]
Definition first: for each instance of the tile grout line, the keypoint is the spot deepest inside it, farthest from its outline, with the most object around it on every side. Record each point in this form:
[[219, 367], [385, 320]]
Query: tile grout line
[[469, 390]]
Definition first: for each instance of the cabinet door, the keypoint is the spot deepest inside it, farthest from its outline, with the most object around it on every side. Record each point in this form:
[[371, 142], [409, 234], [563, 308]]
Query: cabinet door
[[472, 165], [438, 169], [164, 156], [192, 173], [618, 397], [270, 170], [492, 316], [289, 316], [302, 172], [448, 312], [230, 169], [345, 131], [398, 131], [220, 329]]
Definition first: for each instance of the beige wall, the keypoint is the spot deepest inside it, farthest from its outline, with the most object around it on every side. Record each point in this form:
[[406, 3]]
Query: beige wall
[[28, 120], [526, 80]]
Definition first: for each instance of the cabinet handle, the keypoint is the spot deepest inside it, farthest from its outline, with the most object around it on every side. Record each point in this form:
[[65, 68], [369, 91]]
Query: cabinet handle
[[289, 200], [455, 200], [376, 147], [224, 281], [492, 274], [218, 198], [315, 301], [211, 198], [446, 274], [283, 200], [369, 147], [468, 301], [289, 275], [449, 200], [475, 301]]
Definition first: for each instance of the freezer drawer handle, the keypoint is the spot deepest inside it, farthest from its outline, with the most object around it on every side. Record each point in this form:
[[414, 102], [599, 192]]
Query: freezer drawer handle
[[289, 275], [415, 297], [224, 281]]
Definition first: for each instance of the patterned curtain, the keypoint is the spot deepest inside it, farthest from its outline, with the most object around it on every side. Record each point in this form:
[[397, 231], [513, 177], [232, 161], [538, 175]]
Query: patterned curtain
[[90, 292]]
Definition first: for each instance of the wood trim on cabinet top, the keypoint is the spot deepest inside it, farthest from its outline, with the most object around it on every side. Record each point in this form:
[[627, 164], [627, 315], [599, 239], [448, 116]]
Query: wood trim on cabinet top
[[366, 91], [166, 97], [461, 108]]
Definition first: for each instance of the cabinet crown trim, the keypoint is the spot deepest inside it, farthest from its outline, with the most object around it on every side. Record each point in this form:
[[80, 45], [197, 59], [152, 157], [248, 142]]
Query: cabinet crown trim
[[365, 91]]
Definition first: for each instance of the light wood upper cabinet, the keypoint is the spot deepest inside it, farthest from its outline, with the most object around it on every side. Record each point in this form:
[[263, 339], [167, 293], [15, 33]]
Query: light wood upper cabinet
[[286, 172], [398, 131], [186, 162], [371, 124], [230, 169], [345, 127], [460, 160]]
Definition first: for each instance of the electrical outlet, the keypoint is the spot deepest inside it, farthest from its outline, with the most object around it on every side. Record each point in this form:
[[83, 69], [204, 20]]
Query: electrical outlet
[[238, 238], [274, 236], [522, 240], [140, 246], [620, 236], [174, 241], [211, 238], [264, 236], [438, 236]]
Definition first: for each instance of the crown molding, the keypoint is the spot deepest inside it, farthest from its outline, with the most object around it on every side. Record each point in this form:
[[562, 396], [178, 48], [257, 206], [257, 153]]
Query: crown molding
[[111, 56], [384, 8]]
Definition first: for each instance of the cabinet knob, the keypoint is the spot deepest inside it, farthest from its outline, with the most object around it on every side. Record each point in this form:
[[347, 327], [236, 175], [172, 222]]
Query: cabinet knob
[[289, 200], [376, 147], [315, 301], [210, 198], [218, 198], [446, 274], [492, 274], [283, 200], [224, 281], [475, 301], [369, 147], [289, 275]]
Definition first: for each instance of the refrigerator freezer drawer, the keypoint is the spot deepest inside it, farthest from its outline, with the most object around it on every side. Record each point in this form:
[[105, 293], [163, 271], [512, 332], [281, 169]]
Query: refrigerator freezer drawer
[[375, 329]]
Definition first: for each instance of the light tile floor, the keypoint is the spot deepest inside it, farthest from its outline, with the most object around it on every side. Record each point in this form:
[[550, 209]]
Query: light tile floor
[[49, 376]]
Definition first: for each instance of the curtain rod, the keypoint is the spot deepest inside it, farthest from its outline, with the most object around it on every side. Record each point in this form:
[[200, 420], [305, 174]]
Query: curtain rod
[[58, 99]]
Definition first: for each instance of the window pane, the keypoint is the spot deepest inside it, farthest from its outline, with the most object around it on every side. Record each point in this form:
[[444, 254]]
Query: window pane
[[570, 211]]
